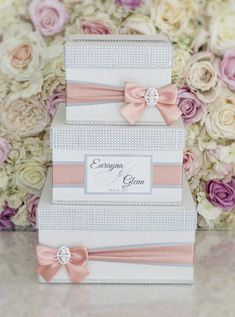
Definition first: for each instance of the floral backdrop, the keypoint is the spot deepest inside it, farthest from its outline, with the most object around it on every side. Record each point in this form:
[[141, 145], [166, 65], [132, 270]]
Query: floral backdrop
[[32, 83]]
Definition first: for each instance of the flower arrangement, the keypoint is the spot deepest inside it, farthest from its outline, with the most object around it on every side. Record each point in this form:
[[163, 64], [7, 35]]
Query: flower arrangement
[[32, 83]]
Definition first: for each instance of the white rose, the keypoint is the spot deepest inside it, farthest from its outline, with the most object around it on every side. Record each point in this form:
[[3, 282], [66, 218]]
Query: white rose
[[54, 70], [28, 88], [170, 16], [206, 209], [21, 219], [181, 58], [14, 201], [30, 176], [22, 55], [4, 86], [220, 121], [138, 23], [201, 76], [192, 133], [25, 117], [8, 14], [222, 30], [3, 179], [37, 149]]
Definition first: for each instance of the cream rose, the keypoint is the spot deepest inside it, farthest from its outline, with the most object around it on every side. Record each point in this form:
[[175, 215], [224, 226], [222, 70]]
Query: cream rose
[[220, 121], [181, 58], [222, 30], [138, 23], [207, 210], [54, 70], [201, 76], [29, 87], [30, 176], [37, 149], [170, 16], [4, 86], [22, 55], [21, 217], [24, 117]]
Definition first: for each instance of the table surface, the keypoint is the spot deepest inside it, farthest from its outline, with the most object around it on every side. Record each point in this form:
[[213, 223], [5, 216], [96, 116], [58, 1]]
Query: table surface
[[213, 293]]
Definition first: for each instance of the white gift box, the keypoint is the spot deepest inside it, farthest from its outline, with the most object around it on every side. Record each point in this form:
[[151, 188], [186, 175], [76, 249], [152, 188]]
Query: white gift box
[[111, 61], [136, 165], [120, 227]]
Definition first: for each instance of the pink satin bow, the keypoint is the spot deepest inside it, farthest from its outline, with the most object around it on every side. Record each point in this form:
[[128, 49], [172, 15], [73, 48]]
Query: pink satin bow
[[76, 264], [133, 95], [48, 264], [136, 103]]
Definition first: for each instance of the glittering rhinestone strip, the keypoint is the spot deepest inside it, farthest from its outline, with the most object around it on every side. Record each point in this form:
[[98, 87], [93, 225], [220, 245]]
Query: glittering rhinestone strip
[[106, 219], [83, 53], [119, 138]]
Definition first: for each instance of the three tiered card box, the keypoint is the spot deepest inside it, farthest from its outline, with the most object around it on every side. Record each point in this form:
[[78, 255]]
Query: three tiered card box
[[121, 244], [116, 165], [99, 69]]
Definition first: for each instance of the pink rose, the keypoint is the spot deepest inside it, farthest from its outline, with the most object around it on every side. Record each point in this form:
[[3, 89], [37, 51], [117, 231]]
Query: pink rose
[[192, 162], [188, 162], [21, 55], [95, 27], [32, 205], [53, 101], [192, 108], [48, 16], [227, 68], [5, 149]]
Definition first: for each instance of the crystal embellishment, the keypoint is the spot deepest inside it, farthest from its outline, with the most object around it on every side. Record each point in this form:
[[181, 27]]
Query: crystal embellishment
[[63, 255], [151, 97]]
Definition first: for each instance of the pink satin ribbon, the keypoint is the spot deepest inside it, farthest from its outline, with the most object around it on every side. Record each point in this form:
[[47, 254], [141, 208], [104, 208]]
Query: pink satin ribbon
[[74, 174], [133, 95], [48, 264]]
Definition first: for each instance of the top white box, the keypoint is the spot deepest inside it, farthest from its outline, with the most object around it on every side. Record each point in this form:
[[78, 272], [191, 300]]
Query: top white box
[[100, 69]]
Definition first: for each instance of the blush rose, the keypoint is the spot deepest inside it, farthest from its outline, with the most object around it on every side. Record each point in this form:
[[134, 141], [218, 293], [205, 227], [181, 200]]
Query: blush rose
[[48, 16]]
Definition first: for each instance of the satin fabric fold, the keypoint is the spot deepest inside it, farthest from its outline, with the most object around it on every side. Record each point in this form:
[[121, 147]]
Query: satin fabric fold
[[132, 95], [48, 264], [136, 104]]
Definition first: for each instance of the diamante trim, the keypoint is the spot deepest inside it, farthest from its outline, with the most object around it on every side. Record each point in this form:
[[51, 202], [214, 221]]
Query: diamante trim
[[116, 203], [108, 138], [105, 219], [117, 53], [115, 123]]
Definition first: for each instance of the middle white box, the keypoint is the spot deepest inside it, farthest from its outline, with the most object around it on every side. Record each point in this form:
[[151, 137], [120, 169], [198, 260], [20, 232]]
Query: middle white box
[[116, 164]]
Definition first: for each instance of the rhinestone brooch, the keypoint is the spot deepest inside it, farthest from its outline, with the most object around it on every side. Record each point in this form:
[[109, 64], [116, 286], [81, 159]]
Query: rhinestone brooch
[[151, 97], [63, 255]]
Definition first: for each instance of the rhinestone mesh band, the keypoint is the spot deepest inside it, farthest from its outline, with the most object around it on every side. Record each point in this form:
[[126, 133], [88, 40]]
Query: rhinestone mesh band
[[121, 138], [83, 53], [105, 219]]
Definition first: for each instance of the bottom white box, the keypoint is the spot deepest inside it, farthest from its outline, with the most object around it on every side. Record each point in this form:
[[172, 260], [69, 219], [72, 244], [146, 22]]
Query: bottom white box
[[93, 228]]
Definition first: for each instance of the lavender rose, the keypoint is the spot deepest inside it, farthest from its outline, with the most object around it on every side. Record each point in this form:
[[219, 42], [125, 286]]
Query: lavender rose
[[5, 218], [5, 149], [192, 108], [227, 69], [32, 205], [129, 4], [221, 194], [48, 16]]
